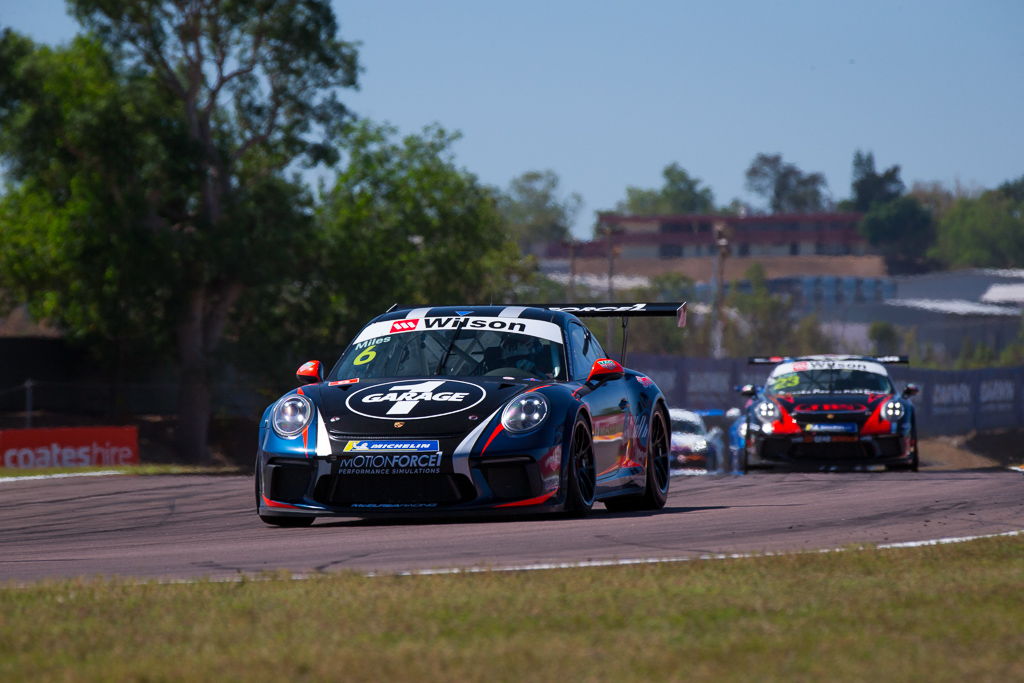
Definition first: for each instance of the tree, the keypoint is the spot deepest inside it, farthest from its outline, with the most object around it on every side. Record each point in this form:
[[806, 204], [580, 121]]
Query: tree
[[250, 89], [81, 142], [937, 197], [986, 232], [885, 339], [535, 213], [1013, 189], [402, 216], [759, 322], [681, 193], [870, 187], [903, 231], [786, 188]]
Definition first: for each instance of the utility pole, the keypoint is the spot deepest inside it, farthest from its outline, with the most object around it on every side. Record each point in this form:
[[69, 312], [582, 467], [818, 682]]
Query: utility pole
[[721, 230], [28, 403], [572, 245], [613, 250]]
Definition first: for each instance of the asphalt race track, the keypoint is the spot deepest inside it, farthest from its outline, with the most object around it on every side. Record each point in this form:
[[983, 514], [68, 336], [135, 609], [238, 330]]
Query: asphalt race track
[[180, 527]]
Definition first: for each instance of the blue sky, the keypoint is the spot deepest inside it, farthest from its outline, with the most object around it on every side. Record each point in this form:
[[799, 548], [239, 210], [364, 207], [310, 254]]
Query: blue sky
[[606, 94]]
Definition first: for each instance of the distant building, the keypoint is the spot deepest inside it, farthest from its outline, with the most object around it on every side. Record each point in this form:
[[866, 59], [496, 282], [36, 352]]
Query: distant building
[[692, 235]]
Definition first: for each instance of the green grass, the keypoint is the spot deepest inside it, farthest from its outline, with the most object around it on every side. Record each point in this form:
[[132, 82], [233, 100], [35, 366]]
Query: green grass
[[10, 472], [942, 613]]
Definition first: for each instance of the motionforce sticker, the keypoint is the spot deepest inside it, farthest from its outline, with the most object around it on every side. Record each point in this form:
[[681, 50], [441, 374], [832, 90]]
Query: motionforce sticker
[[415, 400]]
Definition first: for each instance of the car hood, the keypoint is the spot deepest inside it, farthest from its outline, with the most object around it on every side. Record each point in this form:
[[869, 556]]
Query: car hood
[[418, 406]]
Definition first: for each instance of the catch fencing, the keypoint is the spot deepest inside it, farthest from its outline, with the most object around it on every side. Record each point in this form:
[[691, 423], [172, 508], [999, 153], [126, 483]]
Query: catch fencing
[[949, 402]]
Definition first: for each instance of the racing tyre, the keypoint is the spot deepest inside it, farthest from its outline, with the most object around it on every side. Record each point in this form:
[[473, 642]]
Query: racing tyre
[[657, 476], [580, 476], [277, 520]]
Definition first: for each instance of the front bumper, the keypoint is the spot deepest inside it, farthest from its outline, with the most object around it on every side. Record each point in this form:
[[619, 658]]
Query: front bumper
[[824, 450], [378, 484], [685, 457]]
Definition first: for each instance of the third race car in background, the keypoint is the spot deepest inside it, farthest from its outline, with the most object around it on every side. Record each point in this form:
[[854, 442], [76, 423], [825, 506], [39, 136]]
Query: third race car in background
[[694, 445], [828, 411]]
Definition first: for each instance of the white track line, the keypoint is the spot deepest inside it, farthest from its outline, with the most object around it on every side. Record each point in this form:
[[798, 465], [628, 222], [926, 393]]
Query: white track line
[[658, 560], [37, 477]]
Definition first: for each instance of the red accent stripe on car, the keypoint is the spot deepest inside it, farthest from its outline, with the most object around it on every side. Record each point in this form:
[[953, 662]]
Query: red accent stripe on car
[[785, 424], [274, 504], [529, 501], [305, 431], [497, 430], [876, 424]]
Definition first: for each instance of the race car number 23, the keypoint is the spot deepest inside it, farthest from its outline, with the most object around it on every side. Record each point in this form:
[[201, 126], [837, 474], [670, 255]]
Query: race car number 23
[[785, 381]]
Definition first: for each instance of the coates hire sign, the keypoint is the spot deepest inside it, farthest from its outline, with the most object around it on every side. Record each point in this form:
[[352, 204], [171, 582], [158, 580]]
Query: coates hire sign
[[69, 447]]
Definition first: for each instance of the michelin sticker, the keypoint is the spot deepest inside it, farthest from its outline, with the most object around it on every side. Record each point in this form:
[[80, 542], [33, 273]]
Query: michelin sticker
[[373, 446], [415, 400]]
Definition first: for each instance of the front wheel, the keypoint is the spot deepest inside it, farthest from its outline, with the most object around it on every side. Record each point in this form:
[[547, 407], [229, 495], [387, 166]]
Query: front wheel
[[580, 475]]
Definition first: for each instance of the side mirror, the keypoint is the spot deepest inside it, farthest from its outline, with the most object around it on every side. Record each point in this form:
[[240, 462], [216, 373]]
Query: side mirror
[[605, 370], [749, 390], [911, 390], [310, 372], [733, 413]]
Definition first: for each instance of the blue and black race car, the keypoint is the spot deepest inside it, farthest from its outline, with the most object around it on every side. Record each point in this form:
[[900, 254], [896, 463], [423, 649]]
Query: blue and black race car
[[828, 411], [474, 408]]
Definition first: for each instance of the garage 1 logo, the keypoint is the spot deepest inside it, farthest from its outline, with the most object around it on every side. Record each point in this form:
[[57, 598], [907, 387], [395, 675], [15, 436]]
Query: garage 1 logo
[[415, 400]]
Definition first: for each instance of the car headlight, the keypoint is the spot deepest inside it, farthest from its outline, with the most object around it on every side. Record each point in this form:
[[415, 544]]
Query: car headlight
[[291, 415], [525, 412], [767, 410], [700, 445], [893, 410]]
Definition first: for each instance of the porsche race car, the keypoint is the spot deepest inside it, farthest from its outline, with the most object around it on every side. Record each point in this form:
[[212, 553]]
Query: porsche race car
[[828, 411], [467, 408], [694, 445]]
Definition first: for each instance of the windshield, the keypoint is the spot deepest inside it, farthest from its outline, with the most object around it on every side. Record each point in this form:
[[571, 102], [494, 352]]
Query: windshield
[[460, 349], [829, 381], [684, 426]]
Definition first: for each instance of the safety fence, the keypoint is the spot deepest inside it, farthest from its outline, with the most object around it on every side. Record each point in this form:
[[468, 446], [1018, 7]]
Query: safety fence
[[98, 401], [949, 401]]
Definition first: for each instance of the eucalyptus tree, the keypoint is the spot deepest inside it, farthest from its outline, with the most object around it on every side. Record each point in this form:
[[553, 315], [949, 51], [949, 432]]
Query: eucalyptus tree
[[250, 93]]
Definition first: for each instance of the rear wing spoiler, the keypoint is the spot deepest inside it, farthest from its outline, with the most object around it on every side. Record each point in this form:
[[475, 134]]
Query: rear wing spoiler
[[775, 360], [624, 311], [621, 310]]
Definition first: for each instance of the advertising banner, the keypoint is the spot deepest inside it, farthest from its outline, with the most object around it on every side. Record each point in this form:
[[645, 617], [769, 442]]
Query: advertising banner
[[69, 447]]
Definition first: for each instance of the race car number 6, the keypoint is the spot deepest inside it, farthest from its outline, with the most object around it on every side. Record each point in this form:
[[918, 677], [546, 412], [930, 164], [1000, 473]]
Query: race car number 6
[[365, 357]]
